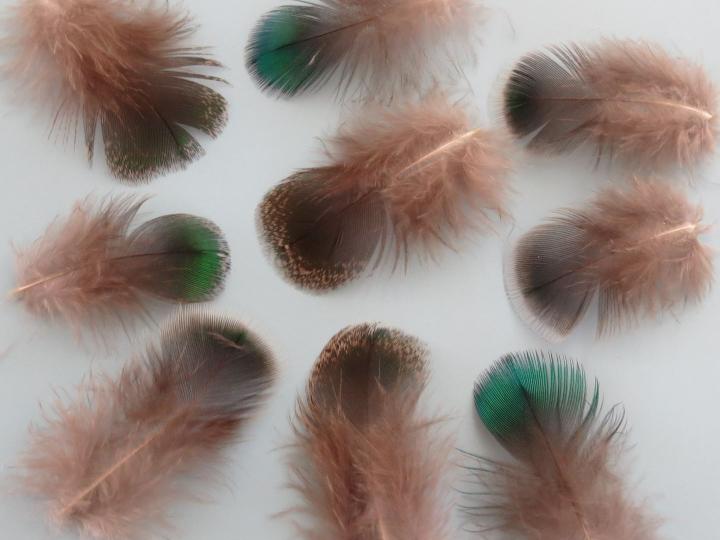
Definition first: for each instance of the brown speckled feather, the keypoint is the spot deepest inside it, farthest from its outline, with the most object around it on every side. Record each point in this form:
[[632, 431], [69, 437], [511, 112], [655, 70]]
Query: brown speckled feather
[[125, 67], [368, 464], [410, 179]]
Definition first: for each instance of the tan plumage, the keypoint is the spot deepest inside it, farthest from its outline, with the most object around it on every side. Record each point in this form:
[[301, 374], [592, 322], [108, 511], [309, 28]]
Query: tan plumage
[[563, 481], [417, 177], [91, 268], [373, 49], [125, 66], [637, 248], [111, 460], [628, 99], [368, 464]]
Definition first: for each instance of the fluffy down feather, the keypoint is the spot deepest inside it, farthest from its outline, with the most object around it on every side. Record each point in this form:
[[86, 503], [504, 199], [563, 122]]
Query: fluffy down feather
[[414, 177], [379, 49], [564, 483], [368, 465], [631, 100], [124, 66], [638, 249], [90, 268], [112, 459]]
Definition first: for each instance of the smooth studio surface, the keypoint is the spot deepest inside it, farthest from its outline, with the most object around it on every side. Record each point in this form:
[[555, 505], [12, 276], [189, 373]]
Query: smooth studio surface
[[664, 372]]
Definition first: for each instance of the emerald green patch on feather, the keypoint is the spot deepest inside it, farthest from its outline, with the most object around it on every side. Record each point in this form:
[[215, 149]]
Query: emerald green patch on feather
[[206, 269], [522, 392], [280, 55], [186, 257]]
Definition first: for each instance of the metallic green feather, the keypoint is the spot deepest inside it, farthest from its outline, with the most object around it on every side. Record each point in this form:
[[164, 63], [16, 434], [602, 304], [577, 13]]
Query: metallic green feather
[[528, 393]]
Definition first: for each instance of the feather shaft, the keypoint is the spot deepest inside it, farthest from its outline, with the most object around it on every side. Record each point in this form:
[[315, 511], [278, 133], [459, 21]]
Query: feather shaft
[[110, 460], [91, 266], [627, 99], [702, 113], [380, 48], [56, 275], [453, 143], [110, 471], [637, 249], [561, 483], [689, 228], [416, 178]]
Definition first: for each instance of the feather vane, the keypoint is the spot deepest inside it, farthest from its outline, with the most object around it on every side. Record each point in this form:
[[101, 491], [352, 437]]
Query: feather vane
[[91, 266], [627, 99], [368, 465], [125, 67], [112, 459], [562, 484], [379, 48], [638, 250], [416, 178]]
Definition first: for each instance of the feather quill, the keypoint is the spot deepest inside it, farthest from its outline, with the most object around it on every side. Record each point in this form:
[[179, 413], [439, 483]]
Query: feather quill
[[627, 99], [110, 461], [637, 249], [91, 267], [124, 66], [416, 177], [563, 483], [378, 48], [368, 465]]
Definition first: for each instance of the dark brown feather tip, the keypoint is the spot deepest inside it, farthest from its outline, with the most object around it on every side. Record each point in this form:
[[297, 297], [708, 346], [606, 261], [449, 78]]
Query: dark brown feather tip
[[321, 238], [361, 361], [123, 66]]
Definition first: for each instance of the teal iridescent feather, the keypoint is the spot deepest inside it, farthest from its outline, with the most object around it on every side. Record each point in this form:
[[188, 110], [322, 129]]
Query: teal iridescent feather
[[287, 51], [527, 392], [377, 48], [563, 484]]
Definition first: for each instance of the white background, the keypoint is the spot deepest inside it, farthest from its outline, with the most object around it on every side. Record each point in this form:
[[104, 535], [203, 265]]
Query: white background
[[665, 372]]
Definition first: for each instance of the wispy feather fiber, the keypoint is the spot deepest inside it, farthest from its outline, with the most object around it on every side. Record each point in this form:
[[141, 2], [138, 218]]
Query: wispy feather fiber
[[629, 99], [368, 464], [565, 482], [125, 66], [112, 459], [91, 267], [413, 178], [638, 249], [378, 49]]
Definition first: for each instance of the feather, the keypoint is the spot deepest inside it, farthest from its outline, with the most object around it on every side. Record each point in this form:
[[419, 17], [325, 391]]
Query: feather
[[111, 460], [124, 66], [91, 267], [627, 99], [418, 176], [637, 249], [368, 465], [562, 484], [378, 48]]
